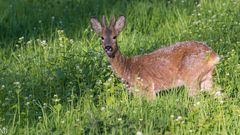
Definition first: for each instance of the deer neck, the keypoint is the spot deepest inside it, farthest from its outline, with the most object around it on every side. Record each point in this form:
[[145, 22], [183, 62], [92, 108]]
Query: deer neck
[[119, 64]]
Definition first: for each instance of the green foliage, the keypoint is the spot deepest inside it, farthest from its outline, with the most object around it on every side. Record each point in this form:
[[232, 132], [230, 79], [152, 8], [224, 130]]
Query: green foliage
[[55, 77]]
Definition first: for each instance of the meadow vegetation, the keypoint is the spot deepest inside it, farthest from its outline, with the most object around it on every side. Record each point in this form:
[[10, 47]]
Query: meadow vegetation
[[56, 79]]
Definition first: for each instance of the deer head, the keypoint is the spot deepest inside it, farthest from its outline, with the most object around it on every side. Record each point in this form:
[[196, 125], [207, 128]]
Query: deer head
[[109, 33]]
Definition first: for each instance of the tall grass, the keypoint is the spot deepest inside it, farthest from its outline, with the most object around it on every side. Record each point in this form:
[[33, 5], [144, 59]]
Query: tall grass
[[55, 78]]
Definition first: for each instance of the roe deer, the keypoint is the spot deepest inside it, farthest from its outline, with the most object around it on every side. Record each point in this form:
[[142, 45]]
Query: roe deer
[[188, 63]]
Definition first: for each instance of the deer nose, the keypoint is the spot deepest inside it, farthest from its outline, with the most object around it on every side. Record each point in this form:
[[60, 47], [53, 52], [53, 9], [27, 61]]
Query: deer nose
[[108, 48]]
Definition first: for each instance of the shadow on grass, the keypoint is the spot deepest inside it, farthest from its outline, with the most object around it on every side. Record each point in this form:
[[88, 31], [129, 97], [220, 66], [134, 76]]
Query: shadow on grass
[[40, 18], [33, 19]]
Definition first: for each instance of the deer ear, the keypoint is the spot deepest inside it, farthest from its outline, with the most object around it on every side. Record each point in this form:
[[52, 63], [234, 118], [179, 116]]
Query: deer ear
[[96, 26], [119, 24], [112, 22], [104, 21]]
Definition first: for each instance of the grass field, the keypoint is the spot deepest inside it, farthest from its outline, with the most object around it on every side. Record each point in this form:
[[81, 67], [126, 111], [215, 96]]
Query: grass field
[[55, 77]]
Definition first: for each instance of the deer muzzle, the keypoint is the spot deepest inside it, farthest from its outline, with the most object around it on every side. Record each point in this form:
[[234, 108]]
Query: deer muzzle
[[108, 50]]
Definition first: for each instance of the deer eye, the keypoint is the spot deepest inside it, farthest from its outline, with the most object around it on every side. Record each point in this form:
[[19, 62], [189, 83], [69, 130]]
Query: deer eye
[[114, 37], [102, 38]]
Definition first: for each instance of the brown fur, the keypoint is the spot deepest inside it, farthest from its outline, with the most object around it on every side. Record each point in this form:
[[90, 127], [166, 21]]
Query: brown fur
[[186, 63]]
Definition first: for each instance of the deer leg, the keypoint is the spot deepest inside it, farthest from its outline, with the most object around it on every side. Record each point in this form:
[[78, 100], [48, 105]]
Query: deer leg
[[150, 92], [151, 95], [206, 82], [193, 88]]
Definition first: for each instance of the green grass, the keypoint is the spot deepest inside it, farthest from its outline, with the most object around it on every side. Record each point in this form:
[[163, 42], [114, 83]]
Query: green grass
[[55, 77]]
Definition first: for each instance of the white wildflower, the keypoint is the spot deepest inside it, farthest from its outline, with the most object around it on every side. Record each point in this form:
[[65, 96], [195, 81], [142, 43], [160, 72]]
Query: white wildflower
[[178, 118], [198, 103], [218, 93], [43, 42], [29, 42], [27, 103], [221, 101], [71, 41], [56, 100], [21, 38], [139, 133], [136, 90], [4, 131], [110, 78], [102, 108], [16, 83]]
